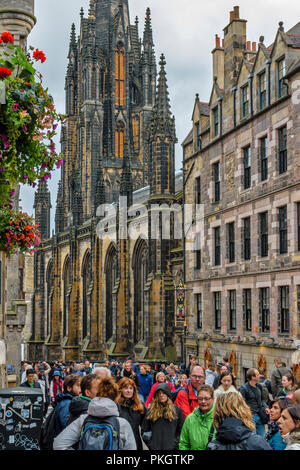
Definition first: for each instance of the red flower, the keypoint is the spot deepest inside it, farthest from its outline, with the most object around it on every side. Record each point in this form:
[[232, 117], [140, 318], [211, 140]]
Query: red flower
[[7, 37], [4, 72], [39, 55]]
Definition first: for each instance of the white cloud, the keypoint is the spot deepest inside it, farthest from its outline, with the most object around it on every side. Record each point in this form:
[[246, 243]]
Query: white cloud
[[184, 30]]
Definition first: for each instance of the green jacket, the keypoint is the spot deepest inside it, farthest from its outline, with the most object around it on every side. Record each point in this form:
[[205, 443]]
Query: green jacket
[[195, 431]]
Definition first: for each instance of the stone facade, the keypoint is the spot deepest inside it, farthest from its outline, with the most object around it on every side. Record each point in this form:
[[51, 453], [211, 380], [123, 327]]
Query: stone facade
[[102, 294], [242, 164]]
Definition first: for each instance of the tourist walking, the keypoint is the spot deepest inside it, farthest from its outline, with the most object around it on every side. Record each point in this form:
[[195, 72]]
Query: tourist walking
[[253, 395], [226, 384], [273, 436], [102, 410], [197, 430], [131, 408], [186, 398], [232, 420], [162, 425], [289, 425]]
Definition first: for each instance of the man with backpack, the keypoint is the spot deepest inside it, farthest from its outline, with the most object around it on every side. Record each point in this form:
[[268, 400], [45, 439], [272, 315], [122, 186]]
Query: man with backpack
[[253, 395], [277, 374], [266, 386], [186, 397], [101, 428]]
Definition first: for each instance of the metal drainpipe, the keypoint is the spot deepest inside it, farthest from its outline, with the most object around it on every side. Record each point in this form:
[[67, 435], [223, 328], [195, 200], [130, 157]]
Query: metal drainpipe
[[234, 105], [268, 62]]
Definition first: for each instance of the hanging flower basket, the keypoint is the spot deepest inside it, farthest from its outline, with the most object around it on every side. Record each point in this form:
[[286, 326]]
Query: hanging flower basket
[[18, 232], [28, 120]]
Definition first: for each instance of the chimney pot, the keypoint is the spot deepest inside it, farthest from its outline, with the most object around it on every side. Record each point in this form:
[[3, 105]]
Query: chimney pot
[[231, 16], [218, 42], [248, 45], [223, 43], [236, 11], [254, 46]]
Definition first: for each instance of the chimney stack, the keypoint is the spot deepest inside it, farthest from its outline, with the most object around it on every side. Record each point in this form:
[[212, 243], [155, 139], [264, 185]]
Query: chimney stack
[[236, 11]]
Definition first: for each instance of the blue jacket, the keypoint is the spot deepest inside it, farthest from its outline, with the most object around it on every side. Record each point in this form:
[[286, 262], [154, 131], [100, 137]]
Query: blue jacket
[[63, 401], [146, 382], [276, 442]]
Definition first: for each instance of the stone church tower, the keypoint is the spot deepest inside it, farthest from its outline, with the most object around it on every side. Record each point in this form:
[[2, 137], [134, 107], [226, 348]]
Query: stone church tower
[[110, 92], [98, 297]]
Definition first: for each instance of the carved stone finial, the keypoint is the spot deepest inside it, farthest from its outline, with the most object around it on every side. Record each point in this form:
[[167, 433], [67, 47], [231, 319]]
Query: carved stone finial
[[261, 39], [281, 28]]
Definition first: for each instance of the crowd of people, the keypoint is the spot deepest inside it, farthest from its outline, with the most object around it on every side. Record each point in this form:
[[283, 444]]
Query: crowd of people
[[133, 406]]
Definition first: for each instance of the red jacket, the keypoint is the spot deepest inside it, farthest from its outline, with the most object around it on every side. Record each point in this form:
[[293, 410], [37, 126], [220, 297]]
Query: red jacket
[[151, 394], [185, 402]]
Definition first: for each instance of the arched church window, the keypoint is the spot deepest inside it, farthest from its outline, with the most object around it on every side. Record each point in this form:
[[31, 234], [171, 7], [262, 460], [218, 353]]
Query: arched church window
[[111, 276], [67, 287], [50, 290], [119, 140], [141, 271], [120, 75], [87, 284]]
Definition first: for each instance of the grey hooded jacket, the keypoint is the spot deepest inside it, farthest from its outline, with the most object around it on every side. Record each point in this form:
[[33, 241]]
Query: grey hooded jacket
[[102, 408]]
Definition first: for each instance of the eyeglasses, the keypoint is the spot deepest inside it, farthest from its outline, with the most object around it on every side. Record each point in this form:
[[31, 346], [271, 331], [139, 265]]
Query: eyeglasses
[[204, 399], [197, 377]]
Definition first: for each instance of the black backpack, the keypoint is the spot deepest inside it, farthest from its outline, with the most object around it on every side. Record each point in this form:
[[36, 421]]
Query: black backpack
[[215, 445], [48, 432], [100, 434]]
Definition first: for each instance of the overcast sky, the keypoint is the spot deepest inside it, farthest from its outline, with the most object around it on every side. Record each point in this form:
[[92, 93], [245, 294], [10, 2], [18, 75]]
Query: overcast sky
[[184, 30]]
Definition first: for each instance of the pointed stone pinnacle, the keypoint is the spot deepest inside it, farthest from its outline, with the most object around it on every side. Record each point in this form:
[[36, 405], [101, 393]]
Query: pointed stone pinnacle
[[81, 12]]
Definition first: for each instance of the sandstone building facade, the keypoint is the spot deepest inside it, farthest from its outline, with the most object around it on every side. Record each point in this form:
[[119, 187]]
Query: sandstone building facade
[[109, 296], [242, 166]]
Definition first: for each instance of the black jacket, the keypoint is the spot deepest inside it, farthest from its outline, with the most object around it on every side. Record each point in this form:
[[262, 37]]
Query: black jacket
[[234, 435], [78, 406], [253, 396], [165, 434], [135, 419]]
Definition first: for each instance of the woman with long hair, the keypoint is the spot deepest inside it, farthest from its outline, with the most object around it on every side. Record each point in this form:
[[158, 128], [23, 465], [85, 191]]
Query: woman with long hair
[[232, 420], [131, 408], [162, 425], [102, 411], [160, 379], [226, 384], [273, 436], [289, 425]]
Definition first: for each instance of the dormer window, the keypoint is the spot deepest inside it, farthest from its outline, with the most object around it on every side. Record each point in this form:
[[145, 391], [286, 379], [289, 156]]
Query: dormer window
[[198, 138], [262, 91], [280, 77], [245, 101], [216, 121]]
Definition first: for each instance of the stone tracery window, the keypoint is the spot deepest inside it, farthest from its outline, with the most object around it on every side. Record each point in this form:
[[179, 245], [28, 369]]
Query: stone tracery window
[[87, 284], [50, 290], [141, 271], [67, 286], [111, 276], [120, 75]]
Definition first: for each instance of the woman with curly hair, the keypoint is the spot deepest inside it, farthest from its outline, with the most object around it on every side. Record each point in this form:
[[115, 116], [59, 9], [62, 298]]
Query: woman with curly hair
[[160, 379], [102, 411], [232, 420], [273, 436], [131, 408], [163, 423]]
